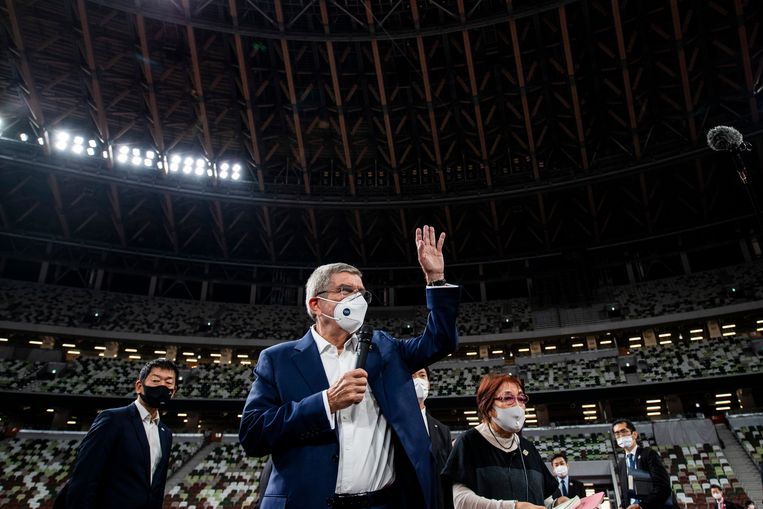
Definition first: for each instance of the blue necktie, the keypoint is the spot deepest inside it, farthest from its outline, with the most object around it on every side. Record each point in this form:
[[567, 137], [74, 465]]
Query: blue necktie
[[564, 487], [631, 461]]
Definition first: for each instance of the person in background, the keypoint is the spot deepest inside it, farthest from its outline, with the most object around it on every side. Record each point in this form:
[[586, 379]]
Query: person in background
[[492, 466], [720, 501], [439, 434], [567, 487], [122, 461], [342, 436], [641, 458]]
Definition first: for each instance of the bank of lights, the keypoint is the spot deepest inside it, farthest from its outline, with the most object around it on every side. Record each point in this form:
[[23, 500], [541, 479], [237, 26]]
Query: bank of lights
[[63, 141], [67, 142]]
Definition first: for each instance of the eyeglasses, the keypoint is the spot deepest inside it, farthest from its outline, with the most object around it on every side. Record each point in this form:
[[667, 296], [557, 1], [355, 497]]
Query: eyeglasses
[[511, 399], [344, 291], [622, 433]]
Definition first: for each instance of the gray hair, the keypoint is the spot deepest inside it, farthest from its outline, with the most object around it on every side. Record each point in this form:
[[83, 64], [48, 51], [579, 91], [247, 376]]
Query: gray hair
[[320, 278]]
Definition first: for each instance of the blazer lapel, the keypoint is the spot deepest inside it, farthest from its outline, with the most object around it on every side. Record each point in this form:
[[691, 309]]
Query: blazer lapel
[[308, 362], [374, 364], [140, 433]]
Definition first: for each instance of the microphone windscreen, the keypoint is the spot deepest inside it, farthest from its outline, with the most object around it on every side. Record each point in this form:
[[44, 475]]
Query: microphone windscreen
[[364, 343], [724, 138]]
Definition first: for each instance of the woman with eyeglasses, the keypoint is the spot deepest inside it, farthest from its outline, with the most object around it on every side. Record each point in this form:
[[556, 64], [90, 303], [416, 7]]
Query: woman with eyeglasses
[[492, 466]]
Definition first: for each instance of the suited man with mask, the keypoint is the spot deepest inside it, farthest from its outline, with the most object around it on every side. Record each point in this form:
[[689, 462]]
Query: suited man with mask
[[720, 500], [567, 487], [340, 436], [438, 433], [122, 461], [644, 459]]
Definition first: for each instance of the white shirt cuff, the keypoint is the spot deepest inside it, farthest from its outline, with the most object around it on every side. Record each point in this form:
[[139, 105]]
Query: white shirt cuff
[[329, 415]]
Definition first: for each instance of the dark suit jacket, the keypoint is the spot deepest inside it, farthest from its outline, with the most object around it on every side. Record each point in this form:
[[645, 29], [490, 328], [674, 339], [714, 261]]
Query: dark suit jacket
[[284, 414], [574, 489], [649, 460], [439, 434], [112, 467], [728, 504]]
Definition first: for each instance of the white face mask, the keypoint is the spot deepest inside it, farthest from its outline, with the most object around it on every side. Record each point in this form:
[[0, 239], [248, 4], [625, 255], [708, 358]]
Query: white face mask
[[422, 388], [625, 442], [561, 470], [349, 312], [510, 419], [717, 496]]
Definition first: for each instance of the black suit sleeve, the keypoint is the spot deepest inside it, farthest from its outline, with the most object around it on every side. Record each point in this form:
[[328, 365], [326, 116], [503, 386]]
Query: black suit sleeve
[[650, 460], [92, 456]]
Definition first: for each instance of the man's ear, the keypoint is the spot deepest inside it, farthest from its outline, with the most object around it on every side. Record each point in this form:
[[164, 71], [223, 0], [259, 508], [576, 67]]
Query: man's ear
[[313, 302], [138, 385]]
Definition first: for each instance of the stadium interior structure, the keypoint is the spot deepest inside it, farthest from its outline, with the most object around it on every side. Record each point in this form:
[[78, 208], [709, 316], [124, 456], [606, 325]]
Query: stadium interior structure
[[172, 171]]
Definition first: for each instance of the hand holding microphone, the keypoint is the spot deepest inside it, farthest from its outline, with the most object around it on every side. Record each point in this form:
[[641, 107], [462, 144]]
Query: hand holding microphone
[[350, 388]]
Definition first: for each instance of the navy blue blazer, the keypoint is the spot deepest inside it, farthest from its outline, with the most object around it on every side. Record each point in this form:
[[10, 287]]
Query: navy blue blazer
[[112, 467], [284, 414]]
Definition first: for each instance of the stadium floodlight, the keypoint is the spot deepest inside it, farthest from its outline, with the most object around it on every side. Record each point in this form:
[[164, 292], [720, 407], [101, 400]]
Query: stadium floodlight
[[199, 171], [79, 140], [174, 167], [136, 160], [176, 159], [150, 154], [136, 152], [90, 151], [187, 169], [200, 163], [124, 149], [91, 143], [210, 172], [224, 167], [105, 154], [223, 174], [77, 149], [148, 163], [23, 136], [236, 176], [122, 158], [41, 140]]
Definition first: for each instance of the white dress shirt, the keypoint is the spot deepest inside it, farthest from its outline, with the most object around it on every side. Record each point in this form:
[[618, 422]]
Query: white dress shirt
[[152, 434], [366, 455], [424, 416]]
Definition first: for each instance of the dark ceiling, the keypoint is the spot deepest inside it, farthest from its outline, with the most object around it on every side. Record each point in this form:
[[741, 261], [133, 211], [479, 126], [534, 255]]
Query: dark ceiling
[[524, 129]]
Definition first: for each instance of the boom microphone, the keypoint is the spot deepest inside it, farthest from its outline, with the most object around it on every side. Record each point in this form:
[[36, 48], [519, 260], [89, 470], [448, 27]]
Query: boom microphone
[[723, 138], [364, 343]]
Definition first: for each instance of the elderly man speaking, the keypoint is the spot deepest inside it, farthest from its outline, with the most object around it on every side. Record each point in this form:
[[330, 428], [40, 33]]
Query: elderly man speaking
[[346, 437]]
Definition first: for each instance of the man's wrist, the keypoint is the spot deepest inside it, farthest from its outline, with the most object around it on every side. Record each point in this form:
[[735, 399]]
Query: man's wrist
[[435, 277]]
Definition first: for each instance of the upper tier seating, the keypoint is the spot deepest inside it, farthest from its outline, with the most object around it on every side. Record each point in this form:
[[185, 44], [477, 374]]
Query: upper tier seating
[[112, 376], [697, 360], [72, 307], [601, 372], [577, 447]]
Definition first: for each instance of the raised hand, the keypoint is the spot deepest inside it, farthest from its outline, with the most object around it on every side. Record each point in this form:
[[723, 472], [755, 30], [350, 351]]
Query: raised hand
[[429, 250]]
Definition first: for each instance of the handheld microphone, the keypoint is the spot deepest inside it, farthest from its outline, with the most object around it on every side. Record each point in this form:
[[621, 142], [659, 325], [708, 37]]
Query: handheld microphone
[[364, 343]]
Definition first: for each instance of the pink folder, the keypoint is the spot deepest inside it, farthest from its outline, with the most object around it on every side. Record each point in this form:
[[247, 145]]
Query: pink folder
[[591, 501]]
